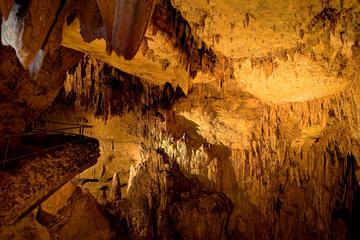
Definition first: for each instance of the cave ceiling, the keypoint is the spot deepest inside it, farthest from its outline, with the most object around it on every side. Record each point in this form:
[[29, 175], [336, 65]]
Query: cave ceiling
[[278, 51]]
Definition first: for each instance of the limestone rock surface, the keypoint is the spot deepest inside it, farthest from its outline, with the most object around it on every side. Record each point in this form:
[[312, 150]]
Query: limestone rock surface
[[163, 204], [72, 213], [23, 98]]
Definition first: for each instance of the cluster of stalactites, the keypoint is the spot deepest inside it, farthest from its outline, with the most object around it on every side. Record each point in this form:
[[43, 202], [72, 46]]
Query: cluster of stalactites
[[305, 149], [195, 55], [290, 131], [328, 28], [107, 91]]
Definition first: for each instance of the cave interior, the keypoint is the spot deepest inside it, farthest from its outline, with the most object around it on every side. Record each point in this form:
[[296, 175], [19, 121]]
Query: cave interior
[[179, 119]]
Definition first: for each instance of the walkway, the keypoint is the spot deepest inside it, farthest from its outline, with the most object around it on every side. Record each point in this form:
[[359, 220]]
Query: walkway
[[37, 140]]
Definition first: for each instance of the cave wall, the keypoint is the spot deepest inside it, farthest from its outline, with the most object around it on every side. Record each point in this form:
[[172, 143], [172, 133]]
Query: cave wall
[[289, 175], [70, 213], [286, 168], [73, 213], [163, 204], [23, 98]]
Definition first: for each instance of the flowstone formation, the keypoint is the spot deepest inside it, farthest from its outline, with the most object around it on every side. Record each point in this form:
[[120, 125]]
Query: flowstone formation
[[214, 119]]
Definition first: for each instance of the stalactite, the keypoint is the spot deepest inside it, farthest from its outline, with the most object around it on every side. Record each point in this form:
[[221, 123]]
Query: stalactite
[[115, 193], [107, 91], [291, 148], [183, 37]]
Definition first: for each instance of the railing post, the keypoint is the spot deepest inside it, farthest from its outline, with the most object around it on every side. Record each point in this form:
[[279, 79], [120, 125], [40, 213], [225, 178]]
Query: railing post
[[6, 147]]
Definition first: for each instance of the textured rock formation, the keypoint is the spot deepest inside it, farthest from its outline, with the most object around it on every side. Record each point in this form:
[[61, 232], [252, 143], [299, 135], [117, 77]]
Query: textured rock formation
[[23, 98], [5, 7], [292, 162], [27, 27], [72, 213], [284, 166], [163, 204], [279, 49], [26, 228], [131, 20], [113, 102], [115, 193], [170, 52], [28, 183], [101, 88]]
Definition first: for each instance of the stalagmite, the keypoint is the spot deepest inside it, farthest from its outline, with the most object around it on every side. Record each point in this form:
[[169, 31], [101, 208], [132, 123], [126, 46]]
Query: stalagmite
[[115, 193]]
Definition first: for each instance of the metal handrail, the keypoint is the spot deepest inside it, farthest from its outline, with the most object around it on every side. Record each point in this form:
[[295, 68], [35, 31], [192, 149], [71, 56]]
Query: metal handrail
[[78, 125], [69, 124], [21, 134], [37, 131], [81, 128], [41, 151], [55, 130]]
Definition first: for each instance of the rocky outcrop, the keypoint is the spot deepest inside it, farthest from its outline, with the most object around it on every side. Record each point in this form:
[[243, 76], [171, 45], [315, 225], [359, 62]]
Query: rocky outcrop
[[170, 51], [98, 87], [23, 98], [26, 228], [27, 28], [29, 182], [115, 192], [72, 213], [163, 204]]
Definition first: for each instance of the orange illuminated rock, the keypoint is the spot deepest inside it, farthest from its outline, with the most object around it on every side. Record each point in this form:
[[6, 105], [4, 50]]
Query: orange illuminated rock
[[5, 7], [130, 23], [115, 193], [26, 30], [161, 196], [22, 97], [107, 10], [91, 23], [232, 120], [72, 213]]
